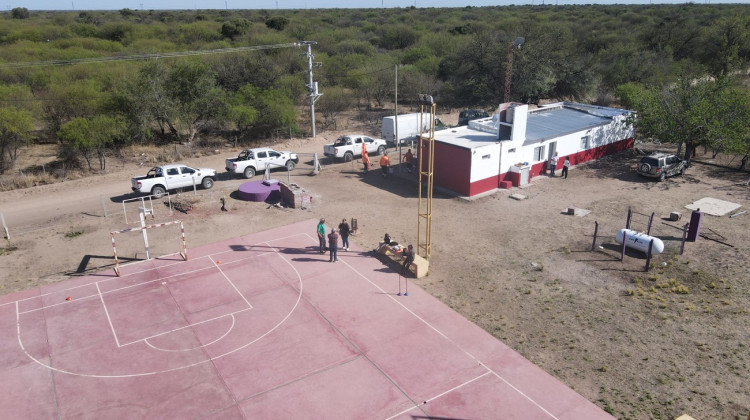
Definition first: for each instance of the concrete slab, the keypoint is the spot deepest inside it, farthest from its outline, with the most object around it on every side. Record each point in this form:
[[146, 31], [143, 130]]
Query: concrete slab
[[261, 326], [713, 206]]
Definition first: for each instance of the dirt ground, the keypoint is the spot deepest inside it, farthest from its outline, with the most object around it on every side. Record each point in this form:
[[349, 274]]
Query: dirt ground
[[639, 344]]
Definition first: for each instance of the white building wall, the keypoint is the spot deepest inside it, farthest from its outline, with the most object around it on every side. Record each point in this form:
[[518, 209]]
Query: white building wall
[[485, 161]]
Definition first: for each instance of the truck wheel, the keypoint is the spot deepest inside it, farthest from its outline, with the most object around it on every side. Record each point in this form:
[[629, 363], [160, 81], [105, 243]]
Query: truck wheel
[[381, 150], [158, 191], [289, 165], [348, 156], [249, 172], [207, 183]]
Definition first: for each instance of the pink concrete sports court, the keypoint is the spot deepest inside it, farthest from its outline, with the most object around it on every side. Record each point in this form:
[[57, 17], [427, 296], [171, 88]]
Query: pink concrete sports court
[[260, 327]]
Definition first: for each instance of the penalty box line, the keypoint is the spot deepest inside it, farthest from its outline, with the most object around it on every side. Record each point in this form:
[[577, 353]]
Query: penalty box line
[[226, 278]]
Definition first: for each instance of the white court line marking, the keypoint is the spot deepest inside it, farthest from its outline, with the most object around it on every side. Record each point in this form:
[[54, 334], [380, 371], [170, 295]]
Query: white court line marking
[[232, 314], [439, 395], [106, 312], [63, 291], [133, 375], [451, 341], [231, 327]]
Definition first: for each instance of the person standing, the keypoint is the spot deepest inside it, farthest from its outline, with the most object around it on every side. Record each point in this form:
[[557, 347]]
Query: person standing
[[566, 165], [344, 230], [409, 160], [365, 159], [385, 164], [333, 245], [408, 259], [552, 164], [322, 235]]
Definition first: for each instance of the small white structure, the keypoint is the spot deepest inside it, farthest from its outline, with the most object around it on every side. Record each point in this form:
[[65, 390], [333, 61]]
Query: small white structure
[[409, 127], [515, 144]]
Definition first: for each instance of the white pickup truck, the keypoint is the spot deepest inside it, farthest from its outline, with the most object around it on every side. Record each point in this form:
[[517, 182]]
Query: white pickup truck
[[251, 161], [348, 146], [161, 179]]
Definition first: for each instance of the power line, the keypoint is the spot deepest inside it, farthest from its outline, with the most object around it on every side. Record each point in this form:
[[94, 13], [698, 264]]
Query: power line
[[143, 56]]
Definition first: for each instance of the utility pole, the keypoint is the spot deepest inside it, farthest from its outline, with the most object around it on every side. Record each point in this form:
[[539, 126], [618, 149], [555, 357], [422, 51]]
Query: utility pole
[[395, 119], [312, 86], [512, 46]]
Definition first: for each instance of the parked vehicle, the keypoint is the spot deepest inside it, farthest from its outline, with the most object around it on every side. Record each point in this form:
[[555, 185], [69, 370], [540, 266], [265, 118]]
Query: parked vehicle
[[470, 114], [161, 179], [349, 146], [251, 161], [408, 127], [661, 165]]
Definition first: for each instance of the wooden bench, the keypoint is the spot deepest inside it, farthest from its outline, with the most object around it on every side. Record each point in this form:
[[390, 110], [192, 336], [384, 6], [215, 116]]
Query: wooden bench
[[418, 267]]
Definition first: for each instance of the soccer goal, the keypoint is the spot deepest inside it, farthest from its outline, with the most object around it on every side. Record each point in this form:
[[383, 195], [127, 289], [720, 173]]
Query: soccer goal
[[144, 229]]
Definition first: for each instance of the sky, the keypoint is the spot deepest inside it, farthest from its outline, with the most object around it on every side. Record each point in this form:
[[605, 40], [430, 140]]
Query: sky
[[305, 4]]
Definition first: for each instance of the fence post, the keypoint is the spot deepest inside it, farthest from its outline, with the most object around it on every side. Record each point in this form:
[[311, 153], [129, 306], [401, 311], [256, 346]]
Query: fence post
[[684, 237], [630, 215], [624, 241], [596, 229], [104, 205], [650, 220], [5, 227], [648, 256]]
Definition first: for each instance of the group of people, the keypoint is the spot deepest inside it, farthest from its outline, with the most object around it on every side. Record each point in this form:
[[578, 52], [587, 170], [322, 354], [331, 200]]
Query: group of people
[[553, 165], [344, 230], [385, 161]]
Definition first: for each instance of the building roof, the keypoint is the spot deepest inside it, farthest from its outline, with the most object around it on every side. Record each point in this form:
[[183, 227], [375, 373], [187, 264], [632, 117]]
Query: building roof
[[563, 118], [547, 122]]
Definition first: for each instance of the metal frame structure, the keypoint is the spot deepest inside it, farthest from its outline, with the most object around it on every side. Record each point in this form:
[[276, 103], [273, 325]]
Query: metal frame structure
[[426, 162], [183, 254]]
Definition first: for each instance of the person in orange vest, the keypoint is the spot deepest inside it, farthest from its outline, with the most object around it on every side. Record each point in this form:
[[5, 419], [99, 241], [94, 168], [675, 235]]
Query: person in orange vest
[[409, 160], [365, 159], [385, 165]]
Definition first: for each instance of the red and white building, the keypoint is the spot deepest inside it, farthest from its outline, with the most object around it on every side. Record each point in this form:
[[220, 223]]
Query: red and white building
[[515, 144]]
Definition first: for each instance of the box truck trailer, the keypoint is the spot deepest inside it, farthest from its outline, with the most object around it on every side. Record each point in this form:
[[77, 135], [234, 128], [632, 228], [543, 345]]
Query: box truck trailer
[[408, 127]]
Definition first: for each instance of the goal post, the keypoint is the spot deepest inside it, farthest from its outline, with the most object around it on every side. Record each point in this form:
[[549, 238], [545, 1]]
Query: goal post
[[112, 234]]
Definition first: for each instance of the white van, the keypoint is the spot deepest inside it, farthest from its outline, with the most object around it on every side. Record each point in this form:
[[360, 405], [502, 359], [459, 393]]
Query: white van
[[408, 127]]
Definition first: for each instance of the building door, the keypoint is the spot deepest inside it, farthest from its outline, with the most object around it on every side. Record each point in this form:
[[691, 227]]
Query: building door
[[552, 150]]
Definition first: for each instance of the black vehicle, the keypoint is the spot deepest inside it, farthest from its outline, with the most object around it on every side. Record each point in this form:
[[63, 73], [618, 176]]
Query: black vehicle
[[470, 114], [661, 165]]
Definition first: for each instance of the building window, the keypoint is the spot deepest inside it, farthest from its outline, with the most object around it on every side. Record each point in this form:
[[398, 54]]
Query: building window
[[585, 143], [513, 150], [538, 154], [485, 157]]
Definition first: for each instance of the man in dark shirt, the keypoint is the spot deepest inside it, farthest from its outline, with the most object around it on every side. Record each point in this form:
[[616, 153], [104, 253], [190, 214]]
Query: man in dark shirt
[[408, 259], [344, 230], [333, 244]]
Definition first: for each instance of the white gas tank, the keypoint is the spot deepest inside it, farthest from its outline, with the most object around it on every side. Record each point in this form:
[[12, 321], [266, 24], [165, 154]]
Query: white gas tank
[[640, 241]]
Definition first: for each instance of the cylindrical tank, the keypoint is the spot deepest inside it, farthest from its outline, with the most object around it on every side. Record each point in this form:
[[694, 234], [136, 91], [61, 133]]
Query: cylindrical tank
[[640, 241]]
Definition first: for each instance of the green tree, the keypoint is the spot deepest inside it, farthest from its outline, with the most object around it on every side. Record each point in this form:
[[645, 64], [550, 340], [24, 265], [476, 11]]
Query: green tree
[[19, 13], [710, 113], [16, 128], [260, 111], [198, 101], [235, 28], [277, 22], [92, 137], [726, 44], [335, 101]]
